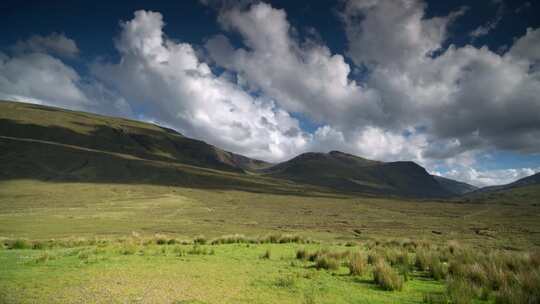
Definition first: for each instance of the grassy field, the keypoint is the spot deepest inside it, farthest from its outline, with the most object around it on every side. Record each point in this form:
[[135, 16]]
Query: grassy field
[[234, 273], [42, 210], [231, 274], [270, 269]]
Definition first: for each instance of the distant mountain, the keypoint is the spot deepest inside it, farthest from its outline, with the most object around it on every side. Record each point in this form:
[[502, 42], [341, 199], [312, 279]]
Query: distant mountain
[[346, 172], [526, 181], [525, 190], [453, 186], [531, 180]]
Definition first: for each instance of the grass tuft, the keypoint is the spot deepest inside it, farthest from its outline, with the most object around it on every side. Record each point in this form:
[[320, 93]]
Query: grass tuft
[[386, 277], [326, 262], [357, 264]]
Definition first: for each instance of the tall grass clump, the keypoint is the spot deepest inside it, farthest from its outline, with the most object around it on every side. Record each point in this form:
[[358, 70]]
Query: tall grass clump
[[459, 291], [178, 251], [386, 277], [357, 264], [284, 238], [17, 244], [437, 269], [200, 240], [423, 259], [232, 239], [127, 249], [326, 262], [301, 254], [524, 289]]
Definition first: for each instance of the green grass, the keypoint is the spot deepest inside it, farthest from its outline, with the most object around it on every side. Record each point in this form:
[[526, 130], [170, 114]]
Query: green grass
[[234, 274], [41, 210]]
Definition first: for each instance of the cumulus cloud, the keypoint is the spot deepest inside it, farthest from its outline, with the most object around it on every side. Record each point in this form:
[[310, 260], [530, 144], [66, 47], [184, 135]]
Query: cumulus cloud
[[168, 81], [54, 43], [34, 74], [303, 76], [373, 143], [469, 96], [527, 47], [393, 32], [42, 77]]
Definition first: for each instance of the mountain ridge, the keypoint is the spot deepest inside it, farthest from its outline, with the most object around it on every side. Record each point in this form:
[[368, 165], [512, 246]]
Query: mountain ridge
[[65, 131]]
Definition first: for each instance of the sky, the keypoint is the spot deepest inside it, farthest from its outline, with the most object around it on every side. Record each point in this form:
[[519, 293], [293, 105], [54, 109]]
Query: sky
[[452, 85]]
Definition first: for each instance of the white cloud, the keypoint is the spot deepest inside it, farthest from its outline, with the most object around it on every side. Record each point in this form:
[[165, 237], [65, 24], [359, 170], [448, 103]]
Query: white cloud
[[41, 78], [527, 47], [468, 95], [173, 86], [54, 43], [302, 76], [393, 32]]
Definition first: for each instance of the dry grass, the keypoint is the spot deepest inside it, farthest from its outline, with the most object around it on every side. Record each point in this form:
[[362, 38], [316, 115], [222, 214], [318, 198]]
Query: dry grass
[[386, 277], [357, 264]]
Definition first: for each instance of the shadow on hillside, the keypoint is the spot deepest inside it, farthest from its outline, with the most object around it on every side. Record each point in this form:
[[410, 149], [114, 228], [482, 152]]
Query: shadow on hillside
[[124, 156]]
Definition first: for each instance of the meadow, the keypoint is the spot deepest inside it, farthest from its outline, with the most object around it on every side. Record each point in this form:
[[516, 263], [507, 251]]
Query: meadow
[[125, 243], [269, 269]]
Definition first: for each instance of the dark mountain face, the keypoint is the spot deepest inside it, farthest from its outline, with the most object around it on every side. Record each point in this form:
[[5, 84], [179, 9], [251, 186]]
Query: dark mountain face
[[345, 172], [455, 187]]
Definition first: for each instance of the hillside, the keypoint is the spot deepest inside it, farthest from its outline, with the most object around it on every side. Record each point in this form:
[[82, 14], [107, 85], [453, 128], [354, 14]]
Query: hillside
[[455, 187], [522, 191], [345, 172], [114, 135], [52, 144]]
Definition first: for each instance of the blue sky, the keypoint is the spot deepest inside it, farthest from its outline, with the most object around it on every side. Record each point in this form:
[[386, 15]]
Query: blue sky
[[452, 85]]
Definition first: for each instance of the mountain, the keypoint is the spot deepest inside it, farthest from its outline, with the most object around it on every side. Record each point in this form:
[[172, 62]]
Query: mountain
[[455, 187], [346, 172], [52, 144], [522, 191], [532, 180]]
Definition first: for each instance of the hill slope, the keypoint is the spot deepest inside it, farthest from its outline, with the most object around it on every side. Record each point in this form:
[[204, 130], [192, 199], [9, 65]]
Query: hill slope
[[114, 135], [455, 187], [52, 144], [350, 173], [525, 190]]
